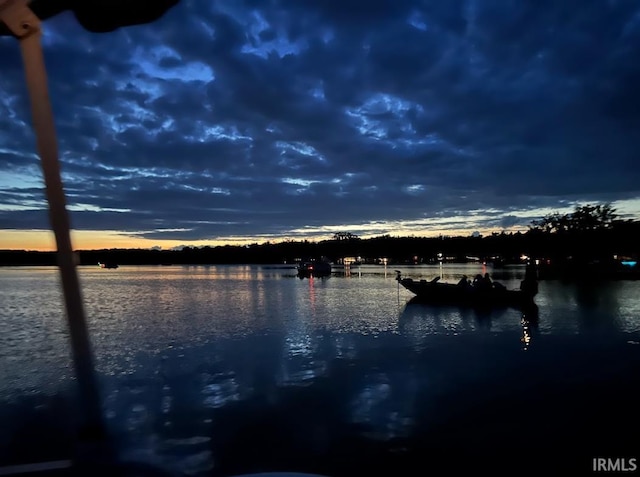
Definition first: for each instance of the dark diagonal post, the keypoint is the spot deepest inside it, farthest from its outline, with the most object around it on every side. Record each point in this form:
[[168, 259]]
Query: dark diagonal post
[[21, 19], [25, 25]]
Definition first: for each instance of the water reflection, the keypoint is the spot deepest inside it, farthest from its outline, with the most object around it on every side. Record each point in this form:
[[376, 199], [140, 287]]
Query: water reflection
[[585, 307], [529, 324], [452, 319], [301, 362], [418, 321], [384, 405], [219, 389], [226, 370]]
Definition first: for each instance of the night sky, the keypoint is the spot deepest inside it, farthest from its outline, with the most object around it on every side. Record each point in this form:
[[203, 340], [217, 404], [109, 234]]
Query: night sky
[[266, 120]]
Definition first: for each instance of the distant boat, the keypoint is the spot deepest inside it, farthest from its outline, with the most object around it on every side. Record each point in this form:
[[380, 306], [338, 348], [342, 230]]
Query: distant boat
[[496, 296], [107, 265], [316, 268]]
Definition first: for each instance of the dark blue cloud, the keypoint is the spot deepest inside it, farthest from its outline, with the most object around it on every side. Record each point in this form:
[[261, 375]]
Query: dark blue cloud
[[289, 117]]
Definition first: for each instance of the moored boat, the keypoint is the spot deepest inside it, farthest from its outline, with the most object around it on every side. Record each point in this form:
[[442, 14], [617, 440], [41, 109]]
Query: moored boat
[[314, 268], [107, 265]]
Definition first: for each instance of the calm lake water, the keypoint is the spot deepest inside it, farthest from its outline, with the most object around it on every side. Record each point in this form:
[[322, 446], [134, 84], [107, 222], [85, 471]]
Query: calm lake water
[[219, 370]]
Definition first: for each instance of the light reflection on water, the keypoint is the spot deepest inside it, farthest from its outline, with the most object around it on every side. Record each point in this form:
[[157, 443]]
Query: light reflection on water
[[178, 347]]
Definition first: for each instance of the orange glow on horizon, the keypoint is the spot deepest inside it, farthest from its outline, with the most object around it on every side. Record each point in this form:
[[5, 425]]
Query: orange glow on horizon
[[43, 240]]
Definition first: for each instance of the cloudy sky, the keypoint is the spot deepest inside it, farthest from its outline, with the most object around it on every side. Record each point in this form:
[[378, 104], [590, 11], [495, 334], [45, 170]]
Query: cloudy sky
[[263, 120]]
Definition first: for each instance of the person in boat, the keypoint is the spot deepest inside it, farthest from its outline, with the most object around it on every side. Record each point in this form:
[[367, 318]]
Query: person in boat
[[464, 282], [482, 283]]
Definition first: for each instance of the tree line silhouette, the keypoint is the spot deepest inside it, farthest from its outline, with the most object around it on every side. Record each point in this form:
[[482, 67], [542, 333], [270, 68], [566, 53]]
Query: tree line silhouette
[[591, 234]]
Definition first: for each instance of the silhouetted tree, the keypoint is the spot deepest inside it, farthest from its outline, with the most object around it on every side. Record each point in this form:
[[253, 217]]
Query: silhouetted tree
[[584, 218], [345, 236]]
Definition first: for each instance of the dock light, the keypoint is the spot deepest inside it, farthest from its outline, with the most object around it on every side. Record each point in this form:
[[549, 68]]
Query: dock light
[[22, 20]]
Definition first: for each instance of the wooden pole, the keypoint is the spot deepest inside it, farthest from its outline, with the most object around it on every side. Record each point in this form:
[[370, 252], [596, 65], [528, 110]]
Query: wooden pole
[[25, 25]]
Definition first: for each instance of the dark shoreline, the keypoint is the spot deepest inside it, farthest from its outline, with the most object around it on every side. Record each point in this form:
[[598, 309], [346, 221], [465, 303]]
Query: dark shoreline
[[591, 271], [569, 249]]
